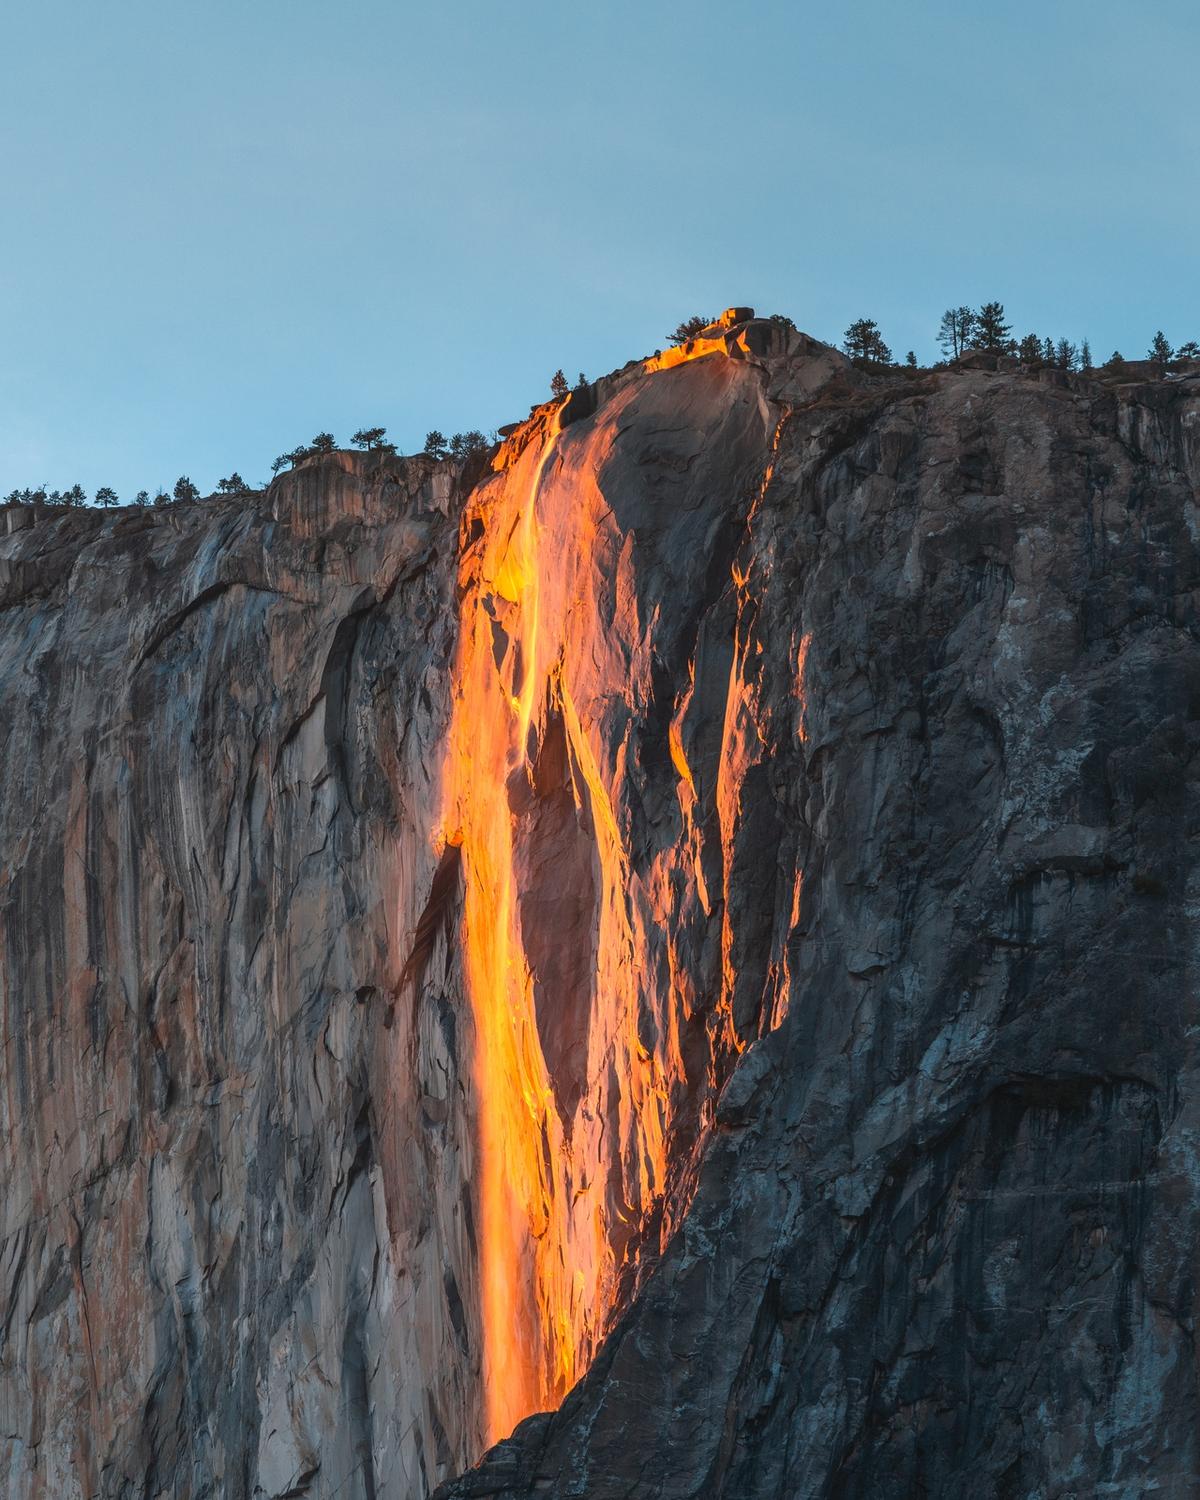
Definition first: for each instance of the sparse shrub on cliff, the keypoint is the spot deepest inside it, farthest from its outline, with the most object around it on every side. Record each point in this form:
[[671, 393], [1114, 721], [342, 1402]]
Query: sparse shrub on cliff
[[369, 437], [688, 329], [106, 497], [558, 384], [783, 321], [863, 342], [185, 489], [435, 444]]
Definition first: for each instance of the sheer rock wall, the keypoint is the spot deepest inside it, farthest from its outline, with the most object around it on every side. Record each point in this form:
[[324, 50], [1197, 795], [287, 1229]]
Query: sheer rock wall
[[899, 764]]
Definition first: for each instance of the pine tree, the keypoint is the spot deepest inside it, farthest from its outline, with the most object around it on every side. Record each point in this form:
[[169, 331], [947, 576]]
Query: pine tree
[[106, 497], [234, 485], [142, 498], [435, 444], [281, 462], [1048, 351], [991, 331], [1190, 350], [185, 489], [1085, 355], [1160, 349], [864, 342], [324, 442], [910, 359], [76, 495], [1030, 349], [464, 444], [1064, 354], [368, 437], [956, 331], [688, 329], [558, 385]]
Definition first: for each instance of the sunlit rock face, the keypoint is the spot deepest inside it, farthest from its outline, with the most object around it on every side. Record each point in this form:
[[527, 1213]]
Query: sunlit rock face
[[686, 929]]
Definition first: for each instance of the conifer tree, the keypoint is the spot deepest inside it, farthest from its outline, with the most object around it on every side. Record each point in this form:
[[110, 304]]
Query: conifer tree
[[1160, 349], [185, 489], [688, 329], [435, 444], [956, 331], [864, 342], [558, 385], [991, 331], [463, 444]]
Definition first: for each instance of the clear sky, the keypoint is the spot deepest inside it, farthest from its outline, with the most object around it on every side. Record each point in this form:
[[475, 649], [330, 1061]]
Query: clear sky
[[229, 224]]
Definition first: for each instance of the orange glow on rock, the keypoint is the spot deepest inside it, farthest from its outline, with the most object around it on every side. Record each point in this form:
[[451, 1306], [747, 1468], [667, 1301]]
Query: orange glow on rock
[[601, 1028], [556, 1212]]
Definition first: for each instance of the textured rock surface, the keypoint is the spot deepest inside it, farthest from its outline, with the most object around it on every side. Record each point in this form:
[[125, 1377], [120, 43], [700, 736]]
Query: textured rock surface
[[231, 1247], [881, 699]]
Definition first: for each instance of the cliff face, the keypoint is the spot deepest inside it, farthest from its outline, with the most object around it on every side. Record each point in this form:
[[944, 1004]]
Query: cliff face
[[693, 930]]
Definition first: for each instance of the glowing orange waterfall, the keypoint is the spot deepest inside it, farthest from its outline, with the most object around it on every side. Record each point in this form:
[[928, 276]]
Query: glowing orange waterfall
[[598, 1032], [541, 1281]]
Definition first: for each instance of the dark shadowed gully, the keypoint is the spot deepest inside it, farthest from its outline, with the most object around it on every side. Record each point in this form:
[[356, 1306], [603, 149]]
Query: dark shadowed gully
[[689, 925]]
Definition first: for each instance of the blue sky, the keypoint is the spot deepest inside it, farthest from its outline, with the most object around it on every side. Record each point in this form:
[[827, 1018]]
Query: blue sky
[[227, 226]]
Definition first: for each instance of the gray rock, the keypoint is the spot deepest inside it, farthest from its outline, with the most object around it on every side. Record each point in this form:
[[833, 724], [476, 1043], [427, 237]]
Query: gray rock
[[851, 873]]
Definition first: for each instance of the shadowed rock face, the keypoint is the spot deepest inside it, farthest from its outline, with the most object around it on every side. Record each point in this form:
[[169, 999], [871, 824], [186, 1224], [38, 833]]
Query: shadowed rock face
[[843, 732]]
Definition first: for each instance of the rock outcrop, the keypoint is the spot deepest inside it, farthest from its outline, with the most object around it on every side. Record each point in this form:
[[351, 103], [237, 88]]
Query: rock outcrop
[[691, 928]]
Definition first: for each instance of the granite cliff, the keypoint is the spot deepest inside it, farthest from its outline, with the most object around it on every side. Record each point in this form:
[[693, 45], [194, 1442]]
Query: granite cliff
[[677, 939]]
